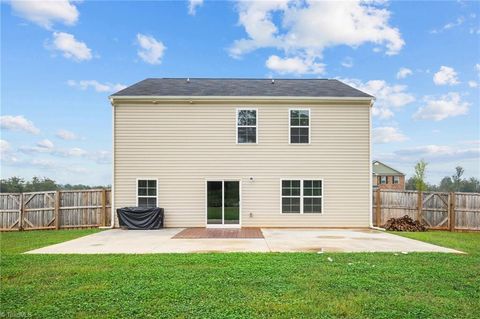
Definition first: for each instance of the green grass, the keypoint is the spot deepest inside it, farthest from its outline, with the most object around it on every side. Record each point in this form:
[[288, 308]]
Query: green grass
[[19, 242], [290, 285]]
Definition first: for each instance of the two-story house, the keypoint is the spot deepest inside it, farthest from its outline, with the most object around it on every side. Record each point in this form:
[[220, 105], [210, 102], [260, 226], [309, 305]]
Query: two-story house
[[386, 177], [244, 152]]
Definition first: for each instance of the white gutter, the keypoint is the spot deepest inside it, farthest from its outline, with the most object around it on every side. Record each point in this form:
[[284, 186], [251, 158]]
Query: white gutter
[[234, 98], [371, 171], [112, 189]]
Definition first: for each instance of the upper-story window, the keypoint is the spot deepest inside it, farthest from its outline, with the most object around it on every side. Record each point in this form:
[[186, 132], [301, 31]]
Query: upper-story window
[[396, 179], [299, 126], [383, 179], [246, 126]]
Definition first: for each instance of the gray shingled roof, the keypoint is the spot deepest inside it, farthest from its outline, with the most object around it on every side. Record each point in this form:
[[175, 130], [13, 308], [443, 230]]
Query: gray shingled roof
[[241, 87]]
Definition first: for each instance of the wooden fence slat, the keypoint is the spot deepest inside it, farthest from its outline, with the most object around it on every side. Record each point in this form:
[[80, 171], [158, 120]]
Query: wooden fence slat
[[57, 209]]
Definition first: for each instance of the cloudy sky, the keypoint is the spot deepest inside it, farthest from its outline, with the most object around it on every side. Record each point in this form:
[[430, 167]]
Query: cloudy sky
[[60, 60]]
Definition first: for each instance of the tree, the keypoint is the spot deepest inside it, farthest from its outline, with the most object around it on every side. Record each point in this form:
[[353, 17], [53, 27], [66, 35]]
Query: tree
[[420, 172], [37, 184], [12, 185], [446, 184], [457, 178]]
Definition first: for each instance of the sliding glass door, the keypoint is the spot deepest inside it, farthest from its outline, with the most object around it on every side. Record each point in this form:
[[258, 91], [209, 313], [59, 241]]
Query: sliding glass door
[[223, 203]]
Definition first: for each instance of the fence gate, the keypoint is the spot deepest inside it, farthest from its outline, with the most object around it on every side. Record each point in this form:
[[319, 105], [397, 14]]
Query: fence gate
[[39, 210], [10, 211], [435, 210]]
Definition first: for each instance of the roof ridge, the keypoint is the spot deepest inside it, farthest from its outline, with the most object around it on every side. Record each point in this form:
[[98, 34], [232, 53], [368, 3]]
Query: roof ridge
[[227, 78]]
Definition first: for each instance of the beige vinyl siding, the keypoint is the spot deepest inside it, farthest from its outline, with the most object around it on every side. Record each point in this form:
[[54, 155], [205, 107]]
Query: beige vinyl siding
[[183, 145]]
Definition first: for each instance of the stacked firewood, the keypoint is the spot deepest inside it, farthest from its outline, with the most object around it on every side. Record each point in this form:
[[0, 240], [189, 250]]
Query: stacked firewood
[[404, 223]]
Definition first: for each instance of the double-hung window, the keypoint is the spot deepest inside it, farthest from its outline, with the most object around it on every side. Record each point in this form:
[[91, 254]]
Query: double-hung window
[[147, 193], [396, 179], [302, 196], [383, 179], [299, 126], [246, 126]]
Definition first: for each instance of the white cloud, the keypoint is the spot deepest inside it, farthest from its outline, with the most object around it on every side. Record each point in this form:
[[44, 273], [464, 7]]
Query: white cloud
[[387, 96], [446, 75], [42, 163], [193, 5], [403, 73], [101, 157], [447, 105], [473, 84], [294, 65], [151, 50], [347, 62], [47, 147], [45, 13], [387, 134], [97, 86], [306, 28], [438, 152], [70, 47], [46, 144], [66, 135], [73, 152], [477, 68], [4, 147], [43, 146], [18, 123], [458, 22]]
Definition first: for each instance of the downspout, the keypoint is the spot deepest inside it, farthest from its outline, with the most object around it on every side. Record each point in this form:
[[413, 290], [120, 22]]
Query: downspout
[[370, 169], [112, 191]]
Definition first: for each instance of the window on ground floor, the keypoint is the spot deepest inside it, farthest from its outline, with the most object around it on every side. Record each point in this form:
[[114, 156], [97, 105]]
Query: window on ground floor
[[302, 196], [147, 192]]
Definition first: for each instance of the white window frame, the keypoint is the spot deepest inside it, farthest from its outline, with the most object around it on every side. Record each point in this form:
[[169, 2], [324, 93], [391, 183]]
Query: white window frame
[[301, 195], [237, 110], [148, 196], [397, 178], [381, 179], [303, 126], [223, 180]]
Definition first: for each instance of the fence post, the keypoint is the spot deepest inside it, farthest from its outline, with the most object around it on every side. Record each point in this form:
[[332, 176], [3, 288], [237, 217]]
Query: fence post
[[378, 208], [57, 209], [419, 206], [104, 207], [21, 212], [451, 212]]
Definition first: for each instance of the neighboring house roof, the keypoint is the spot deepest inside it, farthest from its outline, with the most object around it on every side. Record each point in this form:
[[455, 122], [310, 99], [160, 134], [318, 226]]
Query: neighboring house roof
[[381, 169], [242, 87]]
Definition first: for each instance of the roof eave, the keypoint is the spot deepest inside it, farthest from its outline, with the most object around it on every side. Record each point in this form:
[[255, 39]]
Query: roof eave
[[190, 99]]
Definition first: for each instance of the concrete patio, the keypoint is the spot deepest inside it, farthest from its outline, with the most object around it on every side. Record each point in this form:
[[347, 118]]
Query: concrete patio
[[275, 240]]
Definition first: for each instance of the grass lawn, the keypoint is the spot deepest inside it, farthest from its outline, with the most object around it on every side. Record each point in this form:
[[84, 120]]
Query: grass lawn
[[272, 285]]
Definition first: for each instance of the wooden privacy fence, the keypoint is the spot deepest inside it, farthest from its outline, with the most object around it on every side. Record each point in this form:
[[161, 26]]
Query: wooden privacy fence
[[446, 211], [55, 209]]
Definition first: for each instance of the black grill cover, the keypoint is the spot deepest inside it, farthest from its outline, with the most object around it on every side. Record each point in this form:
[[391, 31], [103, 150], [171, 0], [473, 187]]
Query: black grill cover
[[140, 217]]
